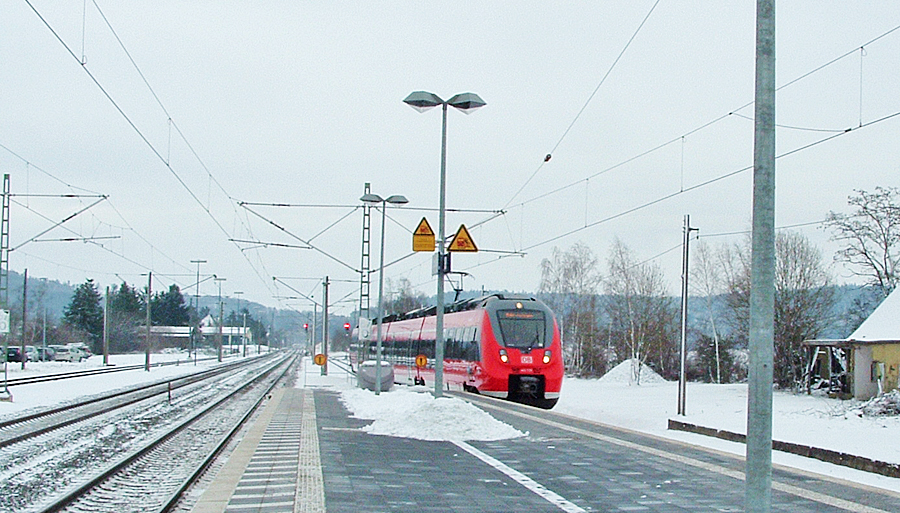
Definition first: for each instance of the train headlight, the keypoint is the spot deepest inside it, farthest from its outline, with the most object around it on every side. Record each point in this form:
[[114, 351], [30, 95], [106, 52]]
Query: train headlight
[[547, 355], [503, 356]]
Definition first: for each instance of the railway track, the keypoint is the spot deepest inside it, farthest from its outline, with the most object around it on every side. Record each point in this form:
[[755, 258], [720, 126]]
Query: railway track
[[93, 372], [32, 424], [136, 451]]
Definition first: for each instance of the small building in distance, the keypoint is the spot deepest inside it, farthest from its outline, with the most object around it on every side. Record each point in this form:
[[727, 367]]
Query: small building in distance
[[864, 364]]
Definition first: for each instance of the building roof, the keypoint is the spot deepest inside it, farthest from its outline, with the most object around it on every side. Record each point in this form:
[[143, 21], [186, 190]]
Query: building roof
[[881, 327], [883, 324]]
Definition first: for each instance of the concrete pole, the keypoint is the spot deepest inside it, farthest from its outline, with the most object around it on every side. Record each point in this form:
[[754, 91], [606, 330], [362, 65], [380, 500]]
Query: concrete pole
[[147, 342], [762, 275], [244, 332], [24, 316], [105, 327], [685, 268], [197, 309], [221, 322]]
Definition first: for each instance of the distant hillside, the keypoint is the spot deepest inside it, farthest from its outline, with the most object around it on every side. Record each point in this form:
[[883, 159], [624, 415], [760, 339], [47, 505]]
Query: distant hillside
[[42, 293]]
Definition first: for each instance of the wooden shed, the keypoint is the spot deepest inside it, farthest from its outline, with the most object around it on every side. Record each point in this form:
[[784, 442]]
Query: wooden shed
[[867, 362]]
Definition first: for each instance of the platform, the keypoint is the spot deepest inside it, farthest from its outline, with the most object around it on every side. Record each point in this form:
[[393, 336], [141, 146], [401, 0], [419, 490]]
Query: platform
[[305, 452]]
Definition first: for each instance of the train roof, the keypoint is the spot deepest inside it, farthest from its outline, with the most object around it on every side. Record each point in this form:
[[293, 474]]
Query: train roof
[[457, 306]]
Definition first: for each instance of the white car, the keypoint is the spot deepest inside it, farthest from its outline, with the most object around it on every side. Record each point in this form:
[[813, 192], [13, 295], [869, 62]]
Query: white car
[[81, 350], [66, 354]]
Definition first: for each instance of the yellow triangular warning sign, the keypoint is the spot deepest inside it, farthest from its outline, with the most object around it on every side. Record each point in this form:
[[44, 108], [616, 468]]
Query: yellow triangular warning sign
[[423, 237], [462, 241], [424, 228]]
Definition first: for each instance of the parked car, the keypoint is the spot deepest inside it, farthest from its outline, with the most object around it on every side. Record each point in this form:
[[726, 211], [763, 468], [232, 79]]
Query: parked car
[[31, 353], [64, 354], [81, 350], [46, 354], [14, 354]]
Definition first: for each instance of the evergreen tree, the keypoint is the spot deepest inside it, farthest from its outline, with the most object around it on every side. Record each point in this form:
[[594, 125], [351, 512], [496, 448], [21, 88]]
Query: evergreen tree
[[125, 316], [715, 360], [85, 314], [126, 299], [168, 308]]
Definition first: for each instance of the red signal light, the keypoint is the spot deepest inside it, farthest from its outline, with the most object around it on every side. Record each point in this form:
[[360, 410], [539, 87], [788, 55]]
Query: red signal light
[[306, 325]]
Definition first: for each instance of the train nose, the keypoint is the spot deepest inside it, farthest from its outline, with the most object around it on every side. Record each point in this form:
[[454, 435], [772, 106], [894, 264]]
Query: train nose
[[529, 385]]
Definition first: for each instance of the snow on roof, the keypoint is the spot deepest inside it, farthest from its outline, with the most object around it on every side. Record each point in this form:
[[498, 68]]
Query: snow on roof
[[883, 323]]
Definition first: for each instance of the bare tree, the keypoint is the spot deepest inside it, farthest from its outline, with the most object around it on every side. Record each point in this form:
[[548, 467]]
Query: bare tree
[[643, 321], [804, 300], [707, 280], [403, 298], [569, 280], [871, 236]]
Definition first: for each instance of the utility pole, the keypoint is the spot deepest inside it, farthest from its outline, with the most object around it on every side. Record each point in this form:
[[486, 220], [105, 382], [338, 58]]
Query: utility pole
[[24, 316], [682, 376], [5, 394], [325, 328], [762, 271], [221, 319], [196, 309], [105, 327], [244, 333], [149, 298], [239, 294], [365, 278]]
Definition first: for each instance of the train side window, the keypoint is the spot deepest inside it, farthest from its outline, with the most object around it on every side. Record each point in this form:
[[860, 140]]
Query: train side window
[[426, 347], [473, 351], [457, 353], [449, 344]]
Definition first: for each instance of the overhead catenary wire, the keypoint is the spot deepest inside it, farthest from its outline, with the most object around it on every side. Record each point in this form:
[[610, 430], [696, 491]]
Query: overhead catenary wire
[[583, 107], [734, 112], [144, 138], [704, 184], [89, 194]]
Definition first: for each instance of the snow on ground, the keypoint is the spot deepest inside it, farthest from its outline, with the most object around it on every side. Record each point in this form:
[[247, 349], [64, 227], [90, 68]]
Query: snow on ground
[[614, 400], [51, 393], [412, 412]]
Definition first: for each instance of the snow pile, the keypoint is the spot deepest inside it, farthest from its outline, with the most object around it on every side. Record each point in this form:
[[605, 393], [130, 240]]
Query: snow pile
[[624, 373], [412, 412], [883, 405]]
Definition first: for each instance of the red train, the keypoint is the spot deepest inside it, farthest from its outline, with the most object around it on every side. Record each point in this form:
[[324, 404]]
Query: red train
[[498, 345]]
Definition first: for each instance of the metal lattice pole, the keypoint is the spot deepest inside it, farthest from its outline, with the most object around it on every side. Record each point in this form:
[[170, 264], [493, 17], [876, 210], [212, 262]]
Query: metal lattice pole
[[364, 279]]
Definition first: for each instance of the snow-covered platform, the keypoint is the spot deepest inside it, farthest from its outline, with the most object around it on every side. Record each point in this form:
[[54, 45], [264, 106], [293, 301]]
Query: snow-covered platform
[[276, 466], [308, 451]]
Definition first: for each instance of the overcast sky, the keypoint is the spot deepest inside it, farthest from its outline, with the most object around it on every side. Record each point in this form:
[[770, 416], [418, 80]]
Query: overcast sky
[[301, 103]]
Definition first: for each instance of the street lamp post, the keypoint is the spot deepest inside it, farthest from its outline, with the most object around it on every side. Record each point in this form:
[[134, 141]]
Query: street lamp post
[[394, 200], [422, 101]]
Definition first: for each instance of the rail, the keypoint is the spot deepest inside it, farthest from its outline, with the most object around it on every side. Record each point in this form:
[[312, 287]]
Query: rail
[[125, 464]]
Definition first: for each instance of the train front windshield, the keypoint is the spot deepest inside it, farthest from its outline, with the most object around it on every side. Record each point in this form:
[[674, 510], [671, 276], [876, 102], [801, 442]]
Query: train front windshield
[[522, 329]]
